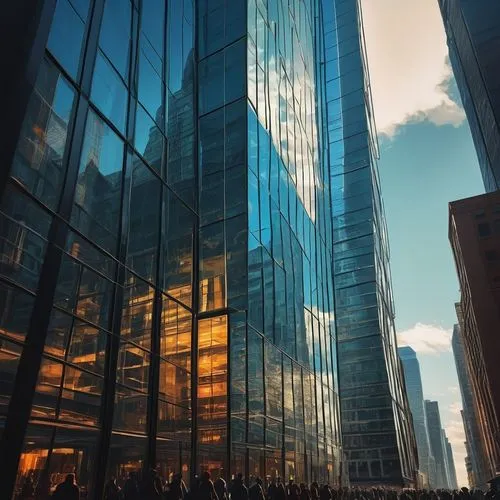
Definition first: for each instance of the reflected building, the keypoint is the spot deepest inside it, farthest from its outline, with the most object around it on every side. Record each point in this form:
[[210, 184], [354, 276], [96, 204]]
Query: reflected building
[[378, 435], [472, 30], [413, 380], [166, 260]]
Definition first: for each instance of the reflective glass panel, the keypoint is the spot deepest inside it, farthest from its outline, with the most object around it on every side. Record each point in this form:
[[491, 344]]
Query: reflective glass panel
[[96, 209], [109, 92]]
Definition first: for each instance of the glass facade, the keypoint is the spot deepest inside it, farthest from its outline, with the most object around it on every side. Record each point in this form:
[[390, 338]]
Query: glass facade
[[378, 436], [473, 29], [166, 257]]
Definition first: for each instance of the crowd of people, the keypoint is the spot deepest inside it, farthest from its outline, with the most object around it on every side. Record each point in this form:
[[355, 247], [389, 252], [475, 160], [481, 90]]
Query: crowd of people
[[152, 487]]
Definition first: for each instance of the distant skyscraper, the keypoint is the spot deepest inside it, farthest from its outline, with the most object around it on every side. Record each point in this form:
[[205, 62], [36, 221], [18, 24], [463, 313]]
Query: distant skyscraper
[[474, 234], [477, 473], [414, 390], [452, 473], [473, 31], [377, 433], [436, 441]]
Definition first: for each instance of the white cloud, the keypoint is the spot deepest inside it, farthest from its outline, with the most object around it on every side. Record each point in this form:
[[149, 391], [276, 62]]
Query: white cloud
[[426, 339], [407, 56]]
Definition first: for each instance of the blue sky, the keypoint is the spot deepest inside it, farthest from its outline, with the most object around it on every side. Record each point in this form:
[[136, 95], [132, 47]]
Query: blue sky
[[427, 159]]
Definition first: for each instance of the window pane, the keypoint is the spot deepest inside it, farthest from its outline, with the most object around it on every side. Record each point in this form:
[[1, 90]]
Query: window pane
[[88, 347], [149, 140], [126, 456], [212, 267], [47, 389], [9, 361], [16, 307], [234, 71], [255, 373], [96, 210], [24, 227], [175, 334], [174, 422], [175, 384], [179, 227], [66, 36], [38, 163], [115, 34], [130, 412], [133, 367], [211, 83], [153, 23], [212, 381], [109, 92], [137, 312], [144, 220], [81, 397], [150, 87]]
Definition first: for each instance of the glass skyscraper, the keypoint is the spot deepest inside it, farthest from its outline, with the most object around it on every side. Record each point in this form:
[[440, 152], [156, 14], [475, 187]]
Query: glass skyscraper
[[413, 380], [473, 30], [166, 255], [438, 447], [378, 435]]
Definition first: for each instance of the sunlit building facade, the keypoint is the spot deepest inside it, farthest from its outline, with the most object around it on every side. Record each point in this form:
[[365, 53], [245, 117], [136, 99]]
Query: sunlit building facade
[[378, 436], [166, 282]]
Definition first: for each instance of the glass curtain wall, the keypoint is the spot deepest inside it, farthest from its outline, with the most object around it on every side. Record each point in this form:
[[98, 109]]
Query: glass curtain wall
[[166, 280], [97, 227]]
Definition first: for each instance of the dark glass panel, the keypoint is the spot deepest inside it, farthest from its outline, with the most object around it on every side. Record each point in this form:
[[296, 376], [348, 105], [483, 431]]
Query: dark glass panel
[[255, 284], [234, 71], [238, 364], [96, 210], [137, 312], [66, 36], [143, 220], [10, 354], [24, 227], [211, 83], [94, 298], [109, 92], [87, 348], [179, 227], [149, 140], [255, 372], [153, 23], [81, 397], [130, 411], [273, 380], [38, 163], [150, 89], [16, 307], [175, 384], [48, 389], [58, 333], [115, 34], [210, 26], [212, 267], [211, 164], [236, 261], [176, 334], [133, 367]]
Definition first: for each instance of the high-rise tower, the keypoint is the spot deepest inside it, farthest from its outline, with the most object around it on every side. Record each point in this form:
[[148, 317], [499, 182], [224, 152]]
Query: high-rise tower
[[376, 420], [473, 30]]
